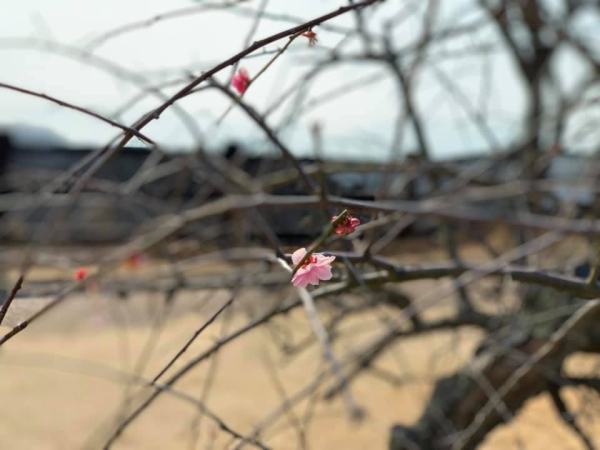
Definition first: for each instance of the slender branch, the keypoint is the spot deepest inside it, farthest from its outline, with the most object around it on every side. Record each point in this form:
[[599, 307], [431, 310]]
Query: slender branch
[[106, 372], [10, 298], [308, 180], [592, 278], [326, 232], [203, 356], [181, 12], [197, 333], [129, 130], [265, 67], [119, 430], [567, 417], [156, 113], [390, 273]]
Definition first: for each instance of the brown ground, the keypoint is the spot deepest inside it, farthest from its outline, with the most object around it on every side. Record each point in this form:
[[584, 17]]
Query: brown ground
[[57, 392]]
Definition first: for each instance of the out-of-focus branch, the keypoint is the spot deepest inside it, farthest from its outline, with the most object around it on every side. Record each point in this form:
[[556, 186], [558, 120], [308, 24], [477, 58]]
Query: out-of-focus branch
[[11, 297]]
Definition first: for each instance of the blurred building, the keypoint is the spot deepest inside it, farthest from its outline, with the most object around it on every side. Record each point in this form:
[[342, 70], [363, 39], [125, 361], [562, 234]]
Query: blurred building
[[113, 207]]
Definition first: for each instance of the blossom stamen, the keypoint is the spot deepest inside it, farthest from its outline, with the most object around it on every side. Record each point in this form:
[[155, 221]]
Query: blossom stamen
[[312, 37]]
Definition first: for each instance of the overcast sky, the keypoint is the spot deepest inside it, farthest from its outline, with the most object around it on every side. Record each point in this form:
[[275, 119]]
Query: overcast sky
[[358, 125]]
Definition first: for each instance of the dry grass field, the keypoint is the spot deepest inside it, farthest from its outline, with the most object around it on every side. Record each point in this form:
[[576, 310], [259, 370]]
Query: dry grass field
[[61, 383]]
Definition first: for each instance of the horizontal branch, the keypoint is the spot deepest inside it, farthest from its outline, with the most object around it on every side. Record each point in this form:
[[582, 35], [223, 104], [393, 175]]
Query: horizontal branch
[[174, 224], [578, 287]]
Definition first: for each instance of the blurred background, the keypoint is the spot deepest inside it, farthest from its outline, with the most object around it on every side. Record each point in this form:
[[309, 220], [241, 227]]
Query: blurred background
[[149, 210]]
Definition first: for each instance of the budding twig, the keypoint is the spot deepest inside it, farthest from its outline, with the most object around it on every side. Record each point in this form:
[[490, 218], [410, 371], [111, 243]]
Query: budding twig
[[326, 232]]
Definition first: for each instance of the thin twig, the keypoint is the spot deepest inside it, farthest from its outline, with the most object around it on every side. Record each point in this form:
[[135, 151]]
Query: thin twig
[[197, 333], [271, 61], [126, 129], [324, 235], [10, 298], [156, 113]]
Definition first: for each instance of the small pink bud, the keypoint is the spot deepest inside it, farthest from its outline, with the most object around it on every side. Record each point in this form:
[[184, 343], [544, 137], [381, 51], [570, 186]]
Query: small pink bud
[[80, 273], [347, 225], [241, 80]]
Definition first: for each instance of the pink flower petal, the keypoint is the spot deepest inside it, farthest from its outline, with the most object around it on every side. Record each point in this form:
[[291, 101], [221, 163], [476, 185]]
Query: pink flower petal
[[324, 260], [324, 273], [313, 278], [301, 270], [298, 255], [300, 280], [240, 80]]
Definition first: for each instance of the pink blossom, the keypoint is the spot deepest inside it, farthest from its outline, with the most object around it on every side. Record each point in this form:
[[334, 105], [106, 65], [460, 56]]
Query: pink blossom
[[347, 225], [316, 267], [80, 274], [311, 36], [135, 261], [241, 80]]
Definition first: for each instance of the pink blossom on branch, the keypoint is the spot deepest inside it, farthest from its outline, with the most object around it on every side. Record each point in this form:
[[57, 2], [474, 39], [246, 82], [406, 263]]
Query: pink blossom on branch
[[135, 261], [80, 274], [317, 267], [347, 225], [241, 80]]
